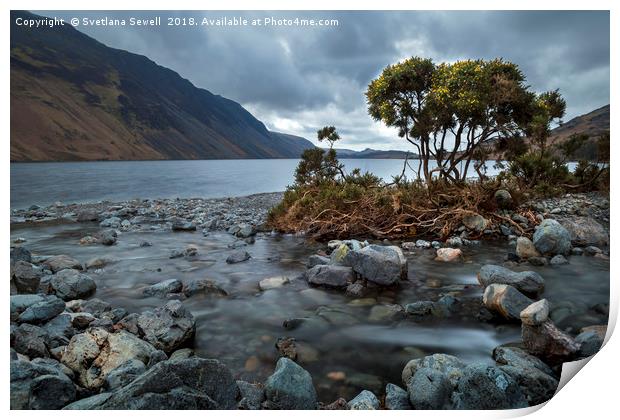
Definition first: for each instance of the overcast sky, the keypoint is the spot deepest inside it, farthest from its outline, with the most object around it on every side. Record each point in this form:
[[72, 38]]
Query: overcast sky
[[297, 79]]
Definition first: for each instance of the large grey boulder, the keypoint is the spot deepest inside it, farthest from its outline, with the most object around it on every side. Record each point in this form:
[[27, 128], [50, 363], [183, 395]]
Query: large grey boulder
[[527, 282], [42, 310], [330, 275], [551, 238], [505, 300], [525, 248], [430, 389], [251, 395], [365, 400], [20, 253], [59, 330], [237, 257], [62, 262], [548, 342], [26, 277], [70, 284], [95, 353], [290, 387], [124, 374], [383, 265], [38, 385], [19, 303], [452, 366], [586, 231], [484, 387], [167, 327], [396, 398], [536, 313], [30, 340]]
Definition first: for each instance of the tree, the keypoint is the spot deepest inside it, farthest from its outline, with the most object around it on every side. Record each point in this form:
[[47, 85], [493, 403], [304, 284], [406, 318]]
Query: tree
[[452, 112], [329, 134]]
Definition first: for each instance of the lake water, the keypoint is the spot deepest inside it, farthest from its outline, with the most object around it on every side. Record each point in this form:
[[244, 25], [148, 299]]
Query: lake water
[[69, 182]]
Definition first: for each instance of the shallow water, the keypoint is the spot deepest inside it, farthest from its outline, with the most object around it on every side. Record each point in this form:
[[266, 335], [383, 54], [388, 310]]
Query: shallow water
[[241, 329]]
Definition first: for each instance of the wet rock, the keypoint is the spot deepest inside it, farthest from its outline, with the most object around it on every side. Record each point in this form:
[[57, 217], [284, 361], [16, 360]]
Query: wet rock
[[237, 257], [167, 327], [505, 300], [420, 243], [145, 244], [20, 253], [39, 386], [527, 282], [19, 303], [70, 284], [429, 389], [30, 340], [525, 248], [181, 354], [95, 306], [97, 263], [108, 237], [202, 286], [42, 310], [592, 250], [450, 365], [330, 275], [111, 222], [287, 347], [475, 222], [290, 387], [576, 251], [449, 254], [88, 215], [484, 387], [179, 224], [164, 288], [503, 199], [59, 330], [252, 396], [81, 320], [396, 398], [548, 342], [558, 260], [357, 290], [586, 231], [420, 309], [505, 230], [316, 260], [454, 242], [382, 313], [95, 353], [537, 261], [89, 403], [383, 265], [245, 230], [536, 313], [338, 255], [273, 282], [26, 277], [193, 383], [124, 374], [62, 262], [408, 246], [590, 342], [365, 400], [551, 238]]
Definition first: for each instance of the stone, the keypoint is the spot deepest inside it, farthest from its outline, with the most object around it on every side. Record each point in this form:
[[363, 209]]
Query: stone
[[527, 282], [420, 243], [475, 222], [20, 253], [124, 374], [386, 312], [576, 251], [537, 261], [19, 303], [97, 263], [202, 286], [450, 365], [383, 265], [357, 290], [179, 224], [365, 400], [181, 354], [505, 300], [89, 403], [317, 260], [586, 231], [396, 398], [484, 387], [95, 306], [61, 262], [273, 282], [558, 260], [408, 246], [164, 288], [548, 342], [505, 230], [429, 389], [525, 248], [81, 320], [536, 313], [192, 383], [252, 395], [70, 284], [59, 330], [592, 250], [551, 238], [454, 242], [420, 309], [108, 237], [42, 311], [330, 276], [449, 254], [39, 386], [88, 215], [590, 342], [290, 387], [111, 222], [245, 230], [237, 257], [338, 255], [503, 199], [30, 340], [26, 277], [168, 327]]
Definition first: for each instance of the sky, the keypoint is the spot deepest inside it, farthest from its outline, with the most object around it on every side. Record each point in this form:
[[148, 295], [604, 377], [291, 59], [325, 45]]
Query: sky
[[298, 79]]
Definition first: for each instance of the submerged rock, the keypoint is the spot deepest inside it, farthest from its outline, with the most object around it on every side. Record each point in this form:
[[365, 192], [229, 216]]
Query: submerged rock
[[383, 265], [330, 275], [527, 282], [449, 254], [237, 257], [179, 224], [164, 288], [505, 300], [273, 282], [290, 387], [551, 238]]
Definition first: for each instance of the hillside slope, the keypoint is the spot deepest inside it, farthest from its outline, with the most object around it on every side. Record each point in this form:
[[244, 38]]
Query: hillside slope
[[73, 98]]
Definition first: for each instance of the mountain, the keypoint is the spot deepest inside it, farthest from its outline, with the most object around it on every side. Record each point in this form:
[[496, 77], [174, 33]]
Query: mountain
[[373, 154], [73, 98], [592, 124]]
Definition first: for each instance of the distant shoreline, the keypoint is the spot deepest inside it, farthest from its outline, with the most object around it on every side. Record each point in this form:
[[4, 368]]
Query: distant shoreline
[[190, 160]]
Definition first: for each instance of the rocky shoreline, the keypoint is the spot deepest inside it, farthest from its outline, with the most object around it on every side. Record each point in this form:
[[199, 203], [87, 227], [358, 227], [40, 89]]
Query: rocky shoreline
[[72, 351]]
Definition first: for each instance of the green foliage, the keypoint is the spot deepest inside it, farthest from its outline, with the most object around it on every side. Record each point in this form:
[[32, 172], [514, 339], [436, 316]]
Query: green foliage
[[318, 166], [329, 134], [533, 168]]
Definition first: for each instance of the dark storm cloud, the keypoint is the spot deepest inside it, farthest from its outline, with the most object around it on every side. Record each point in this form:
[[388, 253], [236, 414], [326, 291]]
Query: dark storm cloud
[[297, 79]]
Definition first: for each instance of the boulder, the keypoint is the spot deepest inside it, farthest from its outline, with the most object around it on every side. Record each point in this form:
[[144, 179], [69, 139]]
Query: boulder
[[59, 330], [88, 215], [164, 288], [26, 277], [551, 238], [590, 342], [273, 282], [124, 374], [527, 282], [548, 342], [449, 254], [251, 395], [168, 327], [484, 387], [317, 260], [505, 300], [30, 340], [61, 262], [525, 248], [450, 365], [503, 199], [111, 222], [42, 310], [290, 387], [536, 313], [365, 400], [95, 306], [179, 224], [475, 222], [245, 230], [70, 284], [558, 260], [38, 385], [383, 265], [429, 389], [396, 398], [20, 253], [586, 231], [339, 254], [108, 237], [420, 309], [237, 257], [19, 303], [95, 353], [202, 286], [330, 276]]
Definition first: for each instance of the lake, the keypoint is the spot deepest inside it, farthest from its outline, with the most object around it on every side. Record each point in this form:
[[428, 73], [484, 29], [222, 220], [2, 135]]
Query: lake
[[44, 183]]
